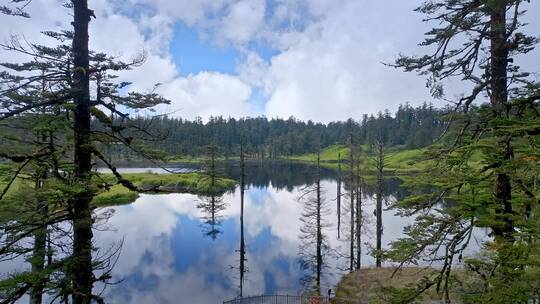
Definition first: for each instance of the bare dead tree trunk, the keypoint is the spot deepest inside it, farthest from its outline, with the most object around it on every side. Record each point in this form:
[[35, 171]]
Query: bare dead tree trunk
[[338, 197], [242, 244], [358, 215], [378, 208], [314, 247], [82, 213], [351, 194], [319, 225]]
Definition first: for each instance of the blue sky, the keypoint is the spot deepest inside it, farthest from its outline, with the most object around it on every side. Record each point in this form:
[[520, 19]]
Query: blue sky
[[193, 54]]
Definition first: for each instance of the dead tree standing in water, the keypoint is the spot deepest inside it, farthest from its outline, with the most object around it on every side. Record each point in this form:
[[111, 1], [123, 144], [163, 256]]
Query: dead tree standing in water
[[378, 208], [242, 267], [358, 187], [351, 197], [338, 197], [312, 232]]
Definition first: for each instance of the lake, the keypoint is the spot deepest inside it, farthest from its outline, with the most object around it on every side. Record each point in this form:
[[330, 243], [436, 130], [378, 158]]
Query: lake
[[174, 249], [184, 248]]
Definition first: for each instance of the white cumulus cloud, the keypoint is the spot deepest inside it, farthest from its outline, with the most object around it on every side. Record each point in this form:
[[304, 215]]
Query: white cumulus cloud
[[207, 94]]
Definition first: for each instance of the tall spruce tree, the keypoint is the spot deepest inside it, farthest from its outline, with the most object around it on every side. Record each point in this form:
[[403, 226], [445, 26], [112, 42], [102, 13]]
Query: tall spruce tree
[[68, 69]]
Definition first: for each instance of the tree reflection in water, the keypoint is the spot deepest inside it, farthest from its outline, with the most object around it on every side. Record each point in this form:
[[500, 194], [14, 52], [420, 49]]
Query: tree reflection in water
[[211, 208]]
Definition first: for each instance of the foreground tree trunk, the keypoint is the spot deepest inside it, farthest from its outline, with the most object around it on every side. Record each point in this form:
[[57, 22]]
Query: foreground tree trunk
[[40, 235], [82, 213], [40, 247], [498, 99]]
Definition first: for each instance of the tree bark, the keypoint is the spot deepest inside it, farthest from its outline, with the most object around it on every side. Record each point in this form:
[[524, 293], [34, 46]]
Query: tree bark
[[39, 252], [82, 213], [498, 99]]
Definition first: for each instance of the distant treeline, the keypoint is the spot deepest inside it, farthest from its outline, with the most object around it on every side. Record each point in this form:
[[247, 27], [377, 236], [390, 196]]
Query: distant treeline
[[409, 127]]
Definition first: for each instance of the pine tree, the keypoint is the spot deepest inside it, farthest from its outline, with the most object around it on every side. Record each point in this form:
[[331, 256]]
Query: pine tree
[[67, 69]]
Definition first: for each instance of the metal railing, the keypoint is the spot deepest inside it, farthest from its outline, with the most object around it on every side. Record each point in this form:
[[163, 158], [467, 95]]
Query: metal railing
[[286, 299]]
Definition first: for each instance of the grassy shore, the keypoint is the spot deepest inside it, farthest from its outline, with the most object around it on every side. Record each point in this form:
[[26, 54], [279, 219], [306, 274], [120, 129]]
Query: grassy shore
[[195, 183], [373, 285], [397, 162]]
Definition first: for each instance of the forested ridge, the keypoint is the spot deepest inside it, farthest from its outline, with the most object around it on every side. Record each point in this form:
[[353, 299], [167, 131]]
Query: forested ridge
[[409, 127]]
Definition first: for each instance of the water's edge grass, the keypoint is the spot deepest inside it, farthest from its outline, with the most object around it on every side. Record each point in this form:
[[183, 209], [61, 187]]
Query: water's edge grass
[[193, 183], [376, 285], [196, 183], [396, 162]]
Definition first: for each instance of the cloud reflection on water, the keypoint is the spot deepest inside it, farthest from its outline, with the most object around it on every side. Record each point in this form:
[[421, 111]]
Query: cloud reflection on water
[[166, 259]]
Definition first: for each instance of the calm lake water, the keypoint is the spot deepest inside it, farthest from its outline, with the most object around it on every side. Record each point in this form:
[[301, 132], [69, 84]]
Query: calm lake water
[[172, 253]]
